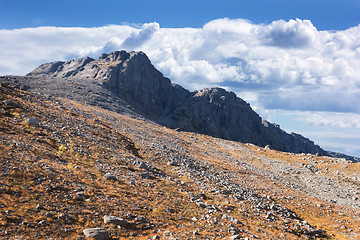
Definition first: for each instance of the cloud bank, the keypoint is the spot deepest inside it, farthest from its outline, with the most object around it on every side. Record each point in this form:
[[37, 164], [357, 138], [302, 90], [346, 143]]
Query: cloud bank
[[286, 65]]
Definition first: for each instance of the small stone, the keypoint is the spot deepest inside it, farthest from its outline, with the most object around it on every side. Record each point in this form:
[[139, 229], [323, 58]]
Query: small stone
[[201, 204], [231, 219], [145, 175], [203, 196], [268, 147], [171, 210], [116, 221], [9, 212], [39, 207], [234, 230], [110, 176], [33, 121], [66, 218], [172, 163], [96, 233], [235, 237], [141, 219], [42, 223], [141, 164]]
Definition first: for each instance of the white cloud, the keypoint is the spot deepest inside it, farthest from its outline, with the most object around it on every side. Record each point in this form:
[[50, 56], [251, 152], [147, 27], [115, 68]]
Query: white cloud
[[281, 65], [340, 120], [293, 34], [139, 37], [24, 49]]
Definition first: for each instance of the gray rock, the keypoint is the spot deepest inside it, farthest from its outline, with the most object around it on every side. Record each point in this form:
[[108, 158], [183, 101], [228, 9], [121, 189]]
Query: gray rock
[[173, 163], [141, 219], [116, 221], [145, 175], [43, 223], [231, 219], [110, 176], [39, 207], [234, 230], [96, 233], [171, 210], [33, 121], [235, 237], [140, 164]]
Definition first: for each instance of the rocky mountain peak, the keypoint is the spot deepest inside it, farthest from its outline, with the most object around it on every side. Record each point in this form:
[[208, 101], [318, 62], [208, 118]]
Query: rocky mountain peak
[[123, 56], [115, 56], [213, 111]]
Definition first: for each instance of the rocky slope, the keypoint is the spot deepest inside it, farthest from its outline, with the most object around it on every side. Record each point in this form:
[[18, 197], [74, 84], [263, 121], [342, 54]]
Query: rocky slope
[[133, 79], [69, 169]]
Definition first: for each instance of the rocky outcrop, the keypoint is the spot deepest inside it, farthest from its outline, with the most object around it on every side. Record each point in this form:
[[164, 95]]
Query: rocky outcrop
[[131, 76], [212, 111], [219, 113], [96, 233]]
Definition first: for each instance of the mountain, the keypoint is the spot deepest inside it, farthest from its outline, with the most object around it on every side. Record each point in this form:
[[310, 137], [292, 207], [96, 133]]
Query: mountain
[[134, 80]]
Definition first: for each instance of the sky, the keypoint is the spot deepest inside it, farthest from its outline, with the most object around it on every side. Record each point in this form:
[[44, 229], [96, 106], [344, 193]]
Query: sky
[[296, 62]]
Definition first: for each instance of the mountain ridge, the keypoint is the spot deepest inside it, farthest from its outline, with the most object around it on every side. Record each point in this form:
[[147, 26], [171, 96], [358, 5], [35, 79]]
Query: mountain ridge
[[213, 111]]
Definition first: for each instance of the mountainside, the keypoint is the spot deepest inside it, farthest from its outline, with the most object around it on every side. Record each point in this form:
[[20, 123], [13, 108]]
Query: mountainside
[[133, 79], [69, 169]]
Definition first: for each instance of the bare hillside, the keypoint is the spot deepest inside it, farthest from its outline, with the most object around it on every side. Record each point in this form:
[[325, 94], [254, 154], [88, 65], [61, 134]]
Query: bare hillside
[[67, 166]]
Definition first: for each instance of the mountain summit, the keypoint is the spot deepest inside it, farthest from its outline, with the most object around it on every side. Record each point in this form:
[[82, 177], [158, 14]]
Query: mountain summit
[[212, 111]]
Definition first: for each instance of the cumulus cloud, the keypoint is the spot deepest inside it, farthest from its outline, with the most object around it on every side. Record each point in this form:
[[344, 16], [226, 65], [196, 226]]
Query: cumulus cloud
[[281, 65], [139, 37], [136, 39], [294, 33], [340, 120], [24, 49]]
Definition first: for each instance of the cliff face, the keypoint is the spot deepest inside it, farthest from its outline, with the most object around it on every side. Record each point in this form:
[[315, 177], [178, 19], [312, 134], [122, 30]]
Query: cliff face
[[212, 111], [219, 113], [131, 76]]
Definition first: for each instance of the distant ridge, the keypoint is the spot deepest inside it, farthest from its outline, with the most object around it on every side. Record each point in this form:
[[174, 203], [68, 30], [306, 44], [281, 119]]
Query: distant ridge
[[133, 80]]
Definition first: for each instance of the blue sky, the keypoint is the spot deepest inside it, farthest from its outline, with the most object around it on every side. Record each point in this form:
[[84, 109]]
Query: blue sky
[[324, 14], [296, 62]]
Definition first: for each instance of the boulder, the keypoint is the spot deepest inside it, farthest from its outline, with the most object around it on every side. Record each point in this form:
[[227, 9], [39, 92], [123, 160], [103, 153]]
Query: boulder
[[231, 219], [141, 164], [110, 176], [116, 221], [33, 121], [96, 233]]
